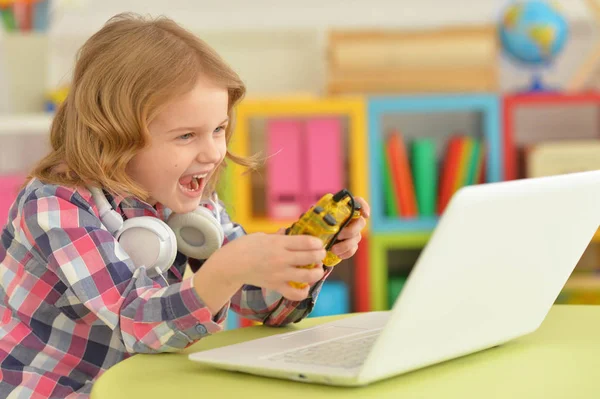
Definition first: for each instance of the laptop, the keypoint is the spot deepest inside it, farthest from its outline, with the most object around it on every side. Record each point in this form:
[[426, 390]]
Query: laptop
[[490, 272]]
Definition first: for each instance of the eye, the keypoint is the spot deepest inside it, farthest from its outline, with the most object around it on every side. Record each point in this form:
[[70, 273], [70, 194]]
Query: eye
[[186, 136], [220, 129]]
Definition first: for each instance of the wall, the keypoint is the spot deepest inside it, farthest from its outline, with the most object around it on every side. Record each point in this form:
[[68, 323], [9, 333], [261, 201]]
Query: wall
[[279, 46], [286, 14], [268, 61]]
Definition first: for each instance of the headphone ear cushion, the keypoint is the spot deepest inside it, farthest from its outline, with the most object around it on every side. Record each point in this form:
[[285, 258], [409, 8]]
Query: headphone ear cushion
[[198, 233], [148, 242]]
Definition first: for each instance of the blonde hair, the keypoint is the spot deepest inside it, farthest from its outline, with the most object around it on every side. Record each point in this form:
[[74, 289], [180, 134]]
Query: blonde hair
[[124, 74]]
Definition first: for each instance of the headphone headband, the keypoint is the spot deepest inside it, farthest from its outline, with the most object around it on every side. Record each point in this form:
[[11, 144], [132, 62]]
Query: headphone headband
[[197, 234], [109, 217]]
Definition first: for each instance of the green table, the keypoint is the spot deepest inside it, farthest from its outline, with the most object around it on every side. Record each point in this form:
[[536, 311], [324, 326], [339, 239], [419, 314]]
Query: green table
[[560, 360]]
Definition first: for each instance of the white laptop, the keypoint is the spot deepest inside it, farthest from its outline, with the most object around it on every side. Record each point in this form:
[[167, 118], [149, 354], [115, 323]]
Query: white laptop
[[491, 271]]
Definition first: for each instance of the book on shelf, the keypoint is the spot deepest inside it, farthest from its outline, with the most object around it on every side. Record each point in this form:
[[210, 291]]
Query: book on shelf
[[464, 157], [449, 171], [424, 167], [417, 184], [401, 175], [462, 165], [562, 156], [389, 195]]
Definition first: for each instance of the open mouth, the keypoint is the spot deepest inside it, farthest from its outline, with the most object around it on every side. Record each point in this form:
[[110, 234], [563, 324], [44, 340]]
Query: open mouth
[[192, 183]]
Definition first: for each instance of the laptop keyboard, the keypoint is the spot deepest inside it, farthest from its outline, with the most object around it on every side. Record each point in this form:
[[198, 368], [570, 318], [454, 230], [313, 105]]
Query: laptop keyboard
[[347, 352]]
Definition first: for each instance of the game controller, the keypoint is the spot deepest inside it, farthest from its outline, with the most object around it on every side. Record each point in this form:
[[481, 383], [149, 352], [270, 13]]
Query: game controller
[[325, 220]]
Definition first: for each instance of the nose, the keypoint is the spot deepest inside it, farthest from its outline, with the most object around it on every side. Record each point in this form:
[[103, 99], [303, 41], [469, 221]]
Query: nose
[[208, 151]]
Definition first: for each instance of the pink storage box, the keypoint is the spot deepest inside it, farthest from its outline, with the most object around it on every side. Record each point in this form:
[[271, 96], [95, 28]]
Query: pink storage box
[[9, 188], [284, 174], [323, 163]]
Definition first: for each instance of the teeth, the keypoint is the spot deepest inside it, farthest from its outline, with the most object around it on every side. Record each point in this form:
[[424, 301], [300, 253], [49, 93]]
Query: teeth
[[189, 189], [195, 183]]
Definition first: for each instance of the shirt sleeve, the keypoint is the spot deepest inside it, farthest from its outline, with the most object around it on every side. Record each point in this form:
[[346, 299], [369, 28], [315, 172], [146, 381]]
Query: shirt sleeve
[[70, 238], [267, 306]]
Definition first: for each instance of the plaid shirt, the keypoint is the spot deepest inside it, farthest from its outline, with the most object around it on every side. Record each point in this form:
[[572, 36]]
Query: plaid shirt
[[72, 305]]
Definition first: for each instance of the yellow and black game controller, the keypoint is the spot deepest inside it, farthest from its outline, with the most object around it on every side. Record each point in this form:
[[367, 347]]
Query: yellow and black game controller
[[325, 220]]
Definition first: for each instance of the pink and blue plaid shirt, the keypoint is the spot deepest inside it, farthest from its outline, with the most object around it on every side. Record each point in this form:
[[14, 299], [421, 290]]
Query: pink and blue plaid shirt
[[72, 305]]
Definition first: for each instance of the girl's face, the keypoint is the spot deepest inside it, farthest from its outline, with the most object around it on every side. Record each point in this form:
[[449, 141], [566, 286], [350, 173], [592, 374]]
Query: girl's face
[[187, 143]]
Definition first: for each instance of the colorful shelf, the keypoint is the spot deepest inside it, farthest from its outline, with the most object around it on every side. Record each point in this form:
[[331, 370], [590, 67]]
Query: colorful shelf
[[379, 245], [487, 105], [512, 103], [353, 109]]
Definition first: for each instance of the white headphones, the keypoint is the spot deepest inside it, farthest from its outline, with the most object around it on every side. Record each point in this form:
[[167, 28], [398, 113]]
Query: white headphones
[[152, 243]]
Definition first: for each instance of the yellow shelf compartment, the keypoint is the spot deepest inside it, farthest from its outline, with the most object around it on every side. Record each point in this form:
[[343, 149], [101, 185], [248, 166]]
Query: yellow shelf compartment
[[581, 289], [379, 245], [596, 237], [239, 185]]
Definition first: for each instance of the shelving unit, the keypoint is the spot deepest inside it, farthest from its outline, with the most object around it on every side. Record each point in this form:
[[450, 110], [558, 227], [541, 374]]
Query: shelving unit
[[239, 186], [23, 139], [353, 109], [487, 106], [379, 246], [514, 138], [366, 120], [404, 234], [25, 124], [583, 286], [581, 289]]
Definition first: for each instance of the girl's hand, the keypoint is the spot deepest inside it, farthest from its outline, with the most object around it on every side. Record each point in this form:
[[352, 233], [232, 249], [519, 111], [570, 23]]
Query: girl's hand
[[269, 261], [350, 236]]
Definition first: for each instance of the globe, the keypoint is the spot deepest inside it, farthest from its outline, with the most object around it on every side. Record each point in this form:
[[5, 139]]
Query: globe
[[533, 32]]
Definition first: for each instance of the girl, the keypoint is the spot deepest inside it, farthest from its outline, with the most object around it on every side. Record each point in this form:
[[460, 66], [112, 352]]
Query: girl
[[147, 120]]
